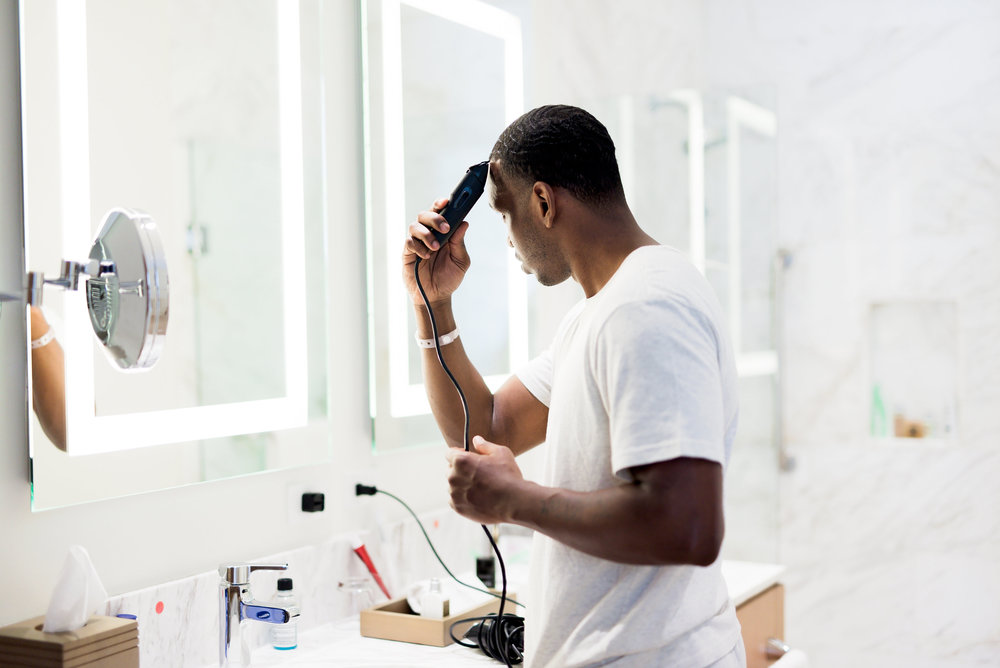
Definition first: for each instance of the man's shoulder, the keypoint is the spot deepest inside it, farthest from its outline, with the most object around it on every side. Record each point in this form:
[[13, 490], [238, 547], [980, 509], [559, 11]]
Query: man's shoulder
[[658, 276]]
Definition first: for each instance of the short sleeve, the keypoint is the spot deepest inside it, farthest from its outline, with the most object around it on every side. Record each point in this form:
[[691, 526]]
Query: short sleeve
[[536, 376], [657, 369]]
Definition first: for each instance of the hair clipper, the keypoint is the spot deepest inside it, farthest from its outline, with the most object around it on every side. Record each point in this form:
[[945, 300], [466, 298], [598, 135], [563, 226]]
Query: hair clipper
[[463, 198]]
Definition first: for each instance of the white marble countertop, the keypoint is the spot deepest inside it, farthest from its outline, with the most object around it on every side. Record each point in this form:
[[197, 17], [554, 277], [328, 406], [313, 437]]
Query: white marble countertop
[[341, 644], [746, 579]]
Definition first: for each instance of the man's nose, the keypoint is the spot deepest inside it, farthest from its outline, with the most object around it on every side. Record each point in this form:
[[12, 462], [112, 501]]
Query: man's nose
[[509, 242]]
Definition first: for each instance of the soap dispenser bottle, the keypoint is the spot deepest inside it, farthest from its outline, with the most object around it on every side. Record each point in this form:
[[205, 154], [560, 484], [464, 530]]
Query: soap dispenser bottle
[[433, 603], [285, 636]]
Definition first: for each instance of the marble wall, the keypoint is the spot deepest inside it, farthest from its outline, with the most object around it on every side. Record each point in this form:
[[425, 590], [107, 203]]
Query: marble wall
[[888, 146]]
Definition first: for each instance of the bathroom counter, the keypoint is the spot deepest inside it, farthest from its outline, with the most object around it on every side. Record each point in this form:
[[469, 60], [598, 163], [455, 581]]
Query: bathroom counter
[[746, 579], [341, 644]]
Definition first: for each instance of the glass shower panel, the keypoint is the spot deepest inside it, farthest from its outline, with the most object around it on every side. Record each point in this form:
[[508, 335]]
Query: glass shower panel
[[741, 242], [751, 496], [752, 183], [651, 135]]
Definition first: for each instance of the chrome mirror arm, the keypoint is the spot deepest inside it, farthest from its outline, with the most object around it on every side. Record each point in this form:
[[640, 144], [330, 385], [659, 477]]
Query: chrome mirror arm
[[69, 277]]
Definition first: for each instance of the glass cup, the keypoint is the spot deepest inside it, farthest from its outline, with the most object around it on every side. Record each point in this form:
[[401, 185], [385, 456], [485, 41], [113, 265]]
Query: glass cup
[[359, 594]]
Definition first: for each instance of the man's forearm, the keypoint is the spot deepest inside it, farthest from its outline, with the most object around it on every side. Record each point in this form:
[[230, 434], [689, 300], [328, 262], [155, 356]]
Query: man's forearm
[[628, 523], [444, 400]]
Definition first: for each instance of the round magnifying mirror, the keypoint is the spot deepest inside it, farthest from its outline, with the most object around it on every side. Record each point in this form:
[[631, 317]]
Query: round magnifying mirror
[[128, 301]]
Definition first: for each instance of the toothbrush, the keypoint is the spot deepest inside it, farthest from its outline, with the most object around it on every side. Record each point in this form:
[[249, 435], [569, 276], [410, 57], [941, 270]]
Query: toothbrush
[[362, 552]]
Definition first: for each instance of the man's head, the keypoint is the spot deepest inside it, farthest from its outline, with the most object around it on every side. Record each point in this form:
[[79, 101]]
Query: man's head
[[562, 146], [545, 157]]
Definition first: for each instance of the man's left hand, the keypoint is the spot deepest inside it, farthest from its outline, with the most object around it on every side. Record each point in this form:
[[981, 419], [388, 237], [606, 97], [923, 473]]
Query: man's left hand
[[484, 481]]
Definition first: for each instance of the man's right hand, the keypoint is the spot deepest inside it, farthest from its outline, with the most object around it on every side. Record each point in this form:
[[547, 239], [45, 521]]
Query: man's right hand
[[441, 268]]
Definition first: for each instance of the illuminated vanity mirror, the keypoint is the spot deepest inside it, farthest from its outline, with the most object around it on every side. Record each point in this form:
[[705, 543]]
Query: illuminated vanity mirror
[[207, 116]]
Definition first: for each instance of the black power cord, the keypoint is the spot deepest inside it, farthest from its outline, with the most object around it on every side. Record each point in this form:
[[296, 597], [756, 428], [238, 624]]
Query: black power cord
[[370, 490], [503, 641], [496, 634]]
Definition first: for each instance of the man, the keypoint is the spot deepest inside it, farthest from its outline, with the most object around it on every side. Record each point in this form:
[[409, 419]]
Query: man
[[636, 401]]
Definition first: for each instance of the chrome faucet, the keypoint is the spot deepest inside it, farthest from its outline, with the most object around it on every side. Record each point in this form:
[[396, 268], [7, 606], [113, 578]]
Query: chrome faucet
[[237, 604]]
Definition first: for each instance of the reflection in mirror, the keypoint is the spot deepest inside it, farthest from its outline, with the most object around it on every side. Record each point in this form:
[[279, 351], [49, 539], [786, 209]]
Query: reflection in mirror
[[206, 116], [127, 297], [424, 132]]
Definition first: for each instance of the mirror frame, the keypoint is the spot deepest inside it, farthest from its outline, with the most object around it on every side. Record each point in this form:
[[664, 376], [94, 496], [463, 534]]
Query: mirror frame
[[314, 440]]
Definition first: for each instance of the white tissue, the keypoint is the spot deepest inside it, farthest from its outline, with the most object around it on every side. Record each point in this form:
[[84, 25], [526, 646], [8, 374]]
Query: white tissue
[[795, 658], [78, 594]]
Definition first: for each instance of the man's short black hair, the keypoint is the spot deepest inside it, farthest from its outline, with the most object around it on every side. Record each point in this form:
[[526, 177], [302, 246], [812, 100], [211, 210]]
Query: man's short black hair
[[562, 146]]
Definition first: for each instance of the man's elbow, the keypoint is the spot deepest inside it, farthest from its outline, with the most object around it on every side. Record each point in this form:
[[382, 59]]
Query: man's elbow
[[706, 542], [705, 552], [698, 545]]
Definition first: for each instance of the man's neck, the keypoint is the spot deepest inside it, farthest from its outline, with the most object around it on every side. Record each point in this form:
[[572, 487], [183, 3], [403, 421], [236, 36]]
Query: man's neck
[[602, 247]]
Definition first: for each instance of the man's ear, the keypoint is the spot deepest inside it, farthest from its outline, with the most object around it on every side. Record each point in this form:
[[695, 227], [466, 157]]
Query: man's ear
[[544, 202]]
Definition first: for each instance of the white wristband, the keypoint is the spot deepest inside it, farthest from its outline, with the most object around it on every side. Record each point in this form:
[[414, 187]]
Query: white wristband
[[444, 339], [43, 340]]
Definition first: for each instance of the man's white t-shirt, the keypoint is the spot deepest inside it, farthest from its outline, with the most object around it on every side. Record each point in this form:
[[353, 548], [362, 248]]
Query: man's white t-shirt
[[639, 373]]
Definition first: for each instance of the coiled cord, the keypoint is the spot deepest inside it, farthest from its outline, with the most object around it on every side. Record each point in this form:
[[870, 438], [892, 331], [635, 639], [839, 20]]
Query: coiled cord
[[503, 641], [498, 639]]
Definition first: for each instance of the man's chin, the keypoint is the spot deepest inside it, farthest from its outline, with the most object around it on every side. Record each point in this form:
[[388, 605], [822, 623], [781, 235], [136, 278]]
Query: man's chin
[[549, 280]]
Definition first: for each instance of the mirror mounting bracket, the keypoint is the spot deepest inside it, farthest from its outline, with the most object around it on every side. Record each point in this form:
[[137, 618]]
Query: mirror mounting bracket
[[69, 277]]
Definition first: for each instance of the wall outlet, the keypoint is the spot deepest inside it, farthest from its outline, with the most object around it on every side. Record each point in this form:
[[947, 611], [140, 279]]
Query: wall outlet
[[295, 513]]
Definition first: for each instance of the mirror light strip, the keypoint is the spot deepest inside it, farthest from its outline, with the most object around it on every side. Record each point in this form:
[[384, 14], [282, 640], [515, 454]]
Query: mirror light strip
[[134, 430], [74, 162], [696, 174], [757, 363], [508, 28], [395, 210], [625, 140], [293, 260], [739, 114]]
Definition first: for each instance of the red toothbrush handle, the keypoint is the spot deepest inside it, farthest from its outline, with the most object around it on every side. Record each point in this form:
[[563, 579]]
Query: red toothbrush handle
[[363, 554]]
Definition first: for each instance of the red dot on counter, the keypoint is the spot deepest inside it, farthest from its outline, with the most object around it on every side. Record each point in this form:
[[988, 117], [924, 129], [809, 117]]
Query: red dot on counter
[[437, 523], [159, 607]]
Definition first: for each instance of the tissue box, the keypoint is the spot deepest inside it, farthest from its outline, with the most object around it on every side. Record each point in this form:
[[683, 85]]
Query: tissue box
[[395, 620], [103, 642]]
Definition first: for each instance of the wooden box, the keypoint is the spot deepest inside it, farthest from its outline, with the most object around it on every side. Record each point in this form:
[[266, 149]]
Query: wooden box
[[394, 620]]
